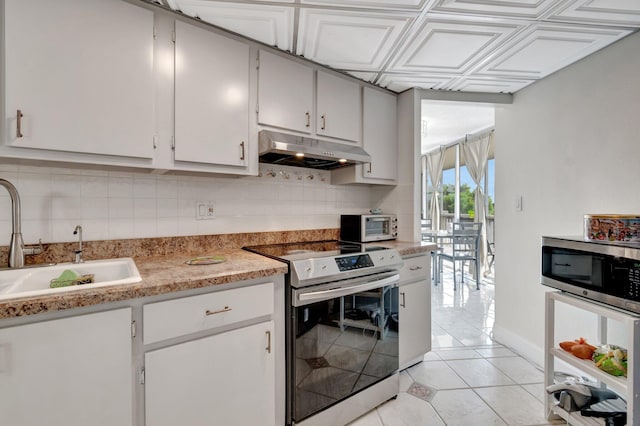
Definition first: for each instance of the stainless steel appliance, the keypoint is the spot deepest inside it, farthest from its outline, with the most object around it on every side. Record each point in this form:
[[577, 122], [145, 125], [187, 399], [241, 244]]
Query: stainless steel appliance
[[341, 328], [605, 271], [290, 150], [368, 227]]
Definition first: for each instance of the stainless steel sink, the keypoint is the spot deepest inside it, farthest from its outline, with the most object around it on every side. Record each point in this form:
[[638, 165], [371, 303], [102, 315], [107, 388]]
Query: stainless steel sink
[[36, 280]]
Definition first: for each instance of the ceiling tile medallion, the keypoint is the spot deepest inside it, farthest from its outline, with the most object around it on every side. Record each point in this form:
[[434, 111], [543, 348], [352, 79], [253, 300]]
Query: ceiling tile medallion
[[600, 12], [545, 48], [372, 4], [451, 45], [348, 40], [489, 85], [272, 25], [528, 9]]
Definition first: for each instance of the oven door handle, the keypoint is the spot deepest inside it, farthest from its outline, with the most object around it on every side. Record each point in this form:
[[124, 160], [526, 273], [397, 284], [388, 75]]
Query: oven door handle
[[345, 291]]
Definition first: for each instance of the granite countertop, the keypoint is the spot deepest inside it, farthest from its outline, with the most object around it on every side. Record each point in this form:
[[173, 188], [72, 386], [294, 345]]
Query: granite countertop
[[160, 275], [166, 274], [407, 248]]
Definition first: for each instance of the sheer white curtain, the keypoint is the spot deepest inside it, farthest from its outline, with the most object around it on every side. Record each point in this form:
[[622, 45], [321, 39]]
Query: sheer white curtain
[[476, 154], [435, 163]]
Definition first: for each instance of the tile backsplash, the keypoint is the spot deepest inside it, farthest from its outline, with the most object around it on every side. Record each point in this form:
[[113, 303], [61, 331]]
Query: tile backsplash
[[120, 205]]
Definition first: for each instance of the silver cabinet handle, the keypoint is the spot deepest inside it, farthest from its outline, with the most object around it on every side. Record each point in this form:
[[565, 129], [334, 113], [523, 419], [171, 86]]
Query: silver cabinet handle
[[268, 348], [308, 114], [324, 121], [242, 150], [219, 311], [19, 116], [415, 268], [403, 304]]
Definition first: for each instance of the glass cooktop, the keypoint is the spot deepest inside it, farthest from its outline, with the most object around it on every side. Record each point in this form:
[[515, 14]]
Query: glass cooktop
[[311, 249]]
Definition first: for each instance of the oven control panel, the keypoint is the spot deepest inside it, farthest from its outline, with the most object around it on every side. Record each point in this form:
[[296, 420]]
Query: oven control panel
[[357, 261]]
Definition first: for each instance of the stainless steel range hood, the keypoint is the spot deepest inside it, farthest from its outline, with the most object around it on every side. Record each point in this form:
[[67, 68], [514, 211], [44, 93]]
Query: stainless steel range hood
[[299, 151]]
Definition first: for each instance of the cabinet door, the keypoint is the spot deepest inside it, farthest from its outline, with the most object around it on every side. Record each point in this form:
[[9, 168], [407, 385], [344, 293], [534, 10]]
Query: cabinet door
[[81, 83], [211, 97], [414, 318], [379, 134], [285, 93], [339, 107], [226, 379], [68, 372]]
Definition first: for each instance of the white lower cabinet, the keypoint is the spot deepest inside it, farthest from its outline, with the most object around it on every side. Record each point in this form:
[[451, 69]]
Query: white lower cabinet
[[213, 358], [225, 379], [73, 371], [415, 310]]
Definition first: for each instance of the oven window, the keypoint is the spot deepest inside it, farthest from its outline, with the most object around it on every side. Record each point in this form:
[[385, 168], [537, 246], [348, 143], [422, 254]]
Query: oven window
[[378, 227], [342, 346]]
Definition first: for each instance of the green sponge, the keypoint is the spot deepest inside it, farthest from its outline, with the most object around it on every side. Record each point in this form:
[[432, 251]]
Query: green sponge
[[67, 277]]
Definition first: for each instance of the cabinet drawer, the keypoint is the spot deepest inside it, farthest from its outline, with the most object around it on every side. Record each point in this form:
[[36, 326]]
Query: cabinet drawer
[[173, 318], [415, 268]]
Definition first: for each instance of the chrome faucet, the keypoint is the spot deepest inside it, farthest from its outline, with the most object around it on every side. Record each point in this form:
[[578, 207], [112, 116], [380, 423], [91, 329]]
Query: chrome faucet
[[17, 249], [78, 253]]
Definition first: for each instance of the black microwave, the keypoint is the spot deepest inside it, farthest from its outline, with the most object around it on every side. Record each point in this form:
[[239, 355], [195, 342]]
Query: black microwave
[[607, 272]]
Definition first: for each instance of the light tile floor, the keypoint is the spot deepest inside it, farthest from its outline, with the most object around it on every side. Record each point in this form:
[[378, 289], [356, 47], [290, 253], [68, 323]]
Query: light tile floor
[[468, 378]]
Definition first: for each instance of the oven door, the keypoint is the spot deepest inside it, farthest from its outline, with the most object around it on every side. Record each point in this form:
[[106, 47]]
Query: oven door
[[344, 339]]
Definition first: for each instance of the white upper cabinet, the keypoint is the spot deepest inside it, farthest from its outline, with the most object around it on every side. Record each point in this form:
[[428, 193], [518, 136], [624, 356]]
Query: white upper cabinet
[[379, 139], [339, 107], [380, 135], [286, 100], [211, 97], [79, 77], [285, 93]]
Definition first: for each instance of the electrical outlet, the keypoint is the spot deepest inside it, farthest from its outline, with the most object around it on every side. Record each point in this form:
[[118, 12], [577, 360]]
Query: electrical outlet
[[205, 210]]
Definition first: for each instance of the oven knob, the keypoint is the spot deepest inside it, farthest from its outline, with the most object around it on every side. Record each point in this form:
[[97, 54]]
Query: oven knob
[[308, 269], [324, 267]]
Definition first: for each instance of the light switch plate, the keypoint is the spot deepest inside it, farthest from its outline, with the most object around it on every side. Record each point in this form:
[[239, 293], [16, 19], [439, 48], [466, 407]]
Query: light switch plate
[[517, 203]]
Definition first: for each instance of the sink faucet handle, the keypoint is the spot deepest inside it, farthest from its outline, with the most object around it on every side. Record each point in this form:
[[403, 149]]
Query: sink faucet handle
[[31, 250]]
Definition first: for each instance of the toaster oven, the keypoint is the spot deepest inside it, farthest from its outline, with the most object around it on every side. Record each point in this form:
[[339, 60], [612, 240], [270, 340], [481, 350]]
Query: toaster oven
[[366, 228]]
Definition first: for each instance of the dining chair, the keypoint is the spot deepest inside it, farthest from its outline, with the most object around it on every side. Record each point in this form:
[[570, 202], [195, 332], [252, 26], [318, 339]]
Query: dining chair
[[465, 246], [491, 253]]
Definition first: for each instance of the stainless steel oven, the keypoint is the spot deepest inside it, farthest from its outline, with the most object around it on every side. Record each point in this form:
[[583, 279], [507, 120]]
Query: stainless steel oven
[[341, 326]]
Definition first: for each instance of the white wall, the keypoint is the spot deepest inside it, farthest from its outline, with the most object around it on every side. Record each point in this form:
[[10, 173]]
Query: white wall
[[569, 145], [119, 205]]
